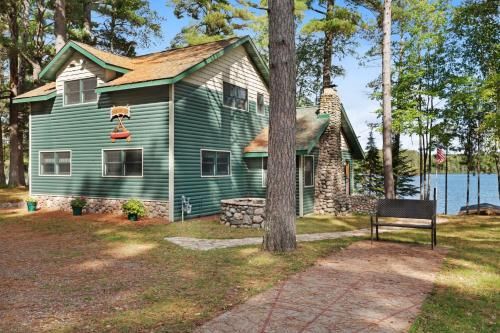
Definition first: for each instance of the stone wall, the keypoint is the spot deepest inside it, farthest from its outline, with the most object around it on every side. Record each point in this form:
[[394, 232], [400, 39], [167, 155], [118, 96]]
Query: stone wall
[[19, 204], [243, 212], [101, 205], [330, 196], [363, 204]]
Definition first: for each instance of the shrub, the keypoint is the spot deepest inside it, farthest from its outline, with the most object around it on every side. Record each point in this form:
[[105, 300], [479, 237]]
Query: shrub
[[31, 200], [78, 202], [134, 206]]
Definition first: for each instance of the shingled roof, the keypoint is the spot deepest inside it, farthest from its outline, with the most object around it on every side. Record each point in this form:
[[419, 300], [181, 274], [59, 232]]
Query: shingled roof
[[42, 93], [153, 69], [309, 128]]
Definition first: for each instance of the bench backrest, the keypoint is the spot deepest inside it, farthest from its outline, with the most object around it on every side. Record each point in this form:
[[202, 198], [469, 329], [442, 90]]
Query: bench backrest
[[406, 208]]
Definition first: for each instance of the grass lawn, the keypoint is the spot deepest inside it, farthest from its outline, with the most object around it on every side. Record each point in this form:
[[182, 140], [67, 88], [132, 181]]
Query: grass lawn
[[310, 224], [466, 296], [15, 194], [61, 273]]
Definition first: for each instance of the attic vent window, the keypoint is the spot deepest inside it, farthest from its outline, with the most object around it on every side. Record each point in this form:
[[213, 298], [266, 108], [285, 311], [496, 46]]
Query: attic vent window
[[80, 91]]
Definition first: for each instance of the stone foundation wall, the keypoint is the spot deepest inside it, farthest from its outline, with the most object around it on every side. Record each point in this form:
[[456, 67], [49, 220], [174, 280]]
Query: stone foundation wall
[[101, 205], [243, 213], [19, 204], [363, 204]]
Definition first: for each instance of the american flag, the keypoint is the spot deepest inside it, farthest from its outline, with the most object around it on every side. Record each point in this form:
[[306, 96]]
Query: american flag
[[440, 156]]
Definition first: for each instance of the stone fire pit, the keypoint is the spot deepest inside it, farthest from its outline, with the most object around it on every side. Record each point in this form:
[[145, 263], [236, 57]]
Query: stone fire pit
[[243, 212]]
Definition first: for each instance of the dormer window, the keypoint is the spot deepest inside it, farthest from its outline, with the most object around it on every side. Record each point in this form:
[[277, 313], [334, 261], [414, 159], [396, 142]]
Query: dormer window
[[80, 91]]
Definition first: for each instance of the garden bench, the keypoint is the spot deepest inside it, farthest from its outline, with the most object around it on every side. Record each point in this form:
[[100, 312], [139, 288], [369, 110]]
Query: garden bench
[[405, 209]]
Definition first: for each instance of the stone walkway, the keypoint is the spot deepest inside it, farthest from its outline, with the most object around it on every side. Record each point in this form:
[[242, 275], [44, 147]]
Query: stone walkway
[[367, 287], [210, 244]]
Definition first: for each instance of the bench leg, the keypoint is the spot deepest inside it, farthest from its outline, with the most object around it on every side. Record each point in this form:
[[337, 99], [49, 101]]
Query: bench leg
[[435, 235], [376, 228]]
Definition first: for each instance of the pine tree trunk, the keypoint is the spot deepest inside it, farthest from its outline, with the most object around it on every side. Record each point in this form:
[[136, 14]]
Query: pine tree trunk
[[60, 24], [87, 19], [13, 54], [387, 109], [328, 47], [2, 157], [280, 200]]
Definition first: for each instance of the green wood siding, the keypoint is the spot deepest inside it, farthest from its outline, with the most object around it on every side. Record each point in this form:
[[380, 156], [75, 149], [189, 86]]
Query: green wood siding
[[84, 129], [201, 122]]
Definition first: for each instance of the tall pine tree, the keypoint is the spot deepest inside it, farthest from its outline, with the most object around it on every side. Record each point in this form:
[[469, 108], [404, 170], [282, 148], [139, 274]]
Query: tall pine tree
[[369, 179], [403, 171]]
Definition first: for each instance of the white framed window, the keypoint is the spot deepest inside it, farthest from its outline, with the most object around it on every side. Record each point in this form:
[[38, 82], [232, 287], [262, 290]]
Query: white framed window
[[126, 162], [80, 91], [260, 104], [308, 171], [264, 171], [54, 163], [235, 97], [215, 163]]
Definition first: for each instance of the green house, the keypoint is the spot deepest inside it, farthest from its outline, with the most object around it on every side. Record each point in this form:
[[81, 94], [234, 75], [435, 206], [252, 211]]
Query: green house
[[183, 122]]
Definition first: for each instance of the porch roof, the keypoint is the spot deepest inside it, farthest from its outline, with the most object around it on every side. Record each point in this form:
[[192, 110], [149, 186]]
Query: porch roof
[[310, 127]]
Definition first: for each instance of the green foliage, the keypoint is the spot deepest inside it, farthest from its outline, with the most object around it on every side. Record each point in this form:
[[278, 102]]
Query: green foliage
[[309, 55], [404, 171], [212, 20], [134, 206], [78, 202], [31, 200], [125, 25], [369, 172]]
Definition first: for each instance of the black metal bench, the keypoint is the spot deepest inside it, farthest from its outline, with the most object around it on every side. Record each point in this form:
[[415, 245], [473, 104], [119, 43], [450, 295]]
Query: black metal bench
[[406, 209]]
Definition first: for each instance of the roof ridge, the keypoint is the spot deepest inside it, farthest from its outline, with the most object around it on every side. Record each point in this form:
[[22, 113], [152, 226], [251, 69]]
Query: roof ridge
[[188, 46], [95, 48]]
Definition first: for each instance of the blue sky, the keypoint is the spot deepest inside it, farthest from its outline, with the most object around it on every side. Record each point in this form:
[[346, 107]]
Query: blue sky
[[351, 88]]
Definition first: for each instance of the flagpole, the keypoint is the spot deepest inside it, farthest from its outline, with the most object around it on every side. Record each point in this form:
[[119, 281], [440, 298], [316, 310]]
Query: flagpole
[[446, 183]]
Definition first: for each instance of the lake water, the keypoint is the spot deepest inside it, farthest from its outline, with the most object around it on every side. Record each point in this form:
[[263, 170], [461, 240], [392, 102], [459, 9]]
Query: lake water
[[457, 186]]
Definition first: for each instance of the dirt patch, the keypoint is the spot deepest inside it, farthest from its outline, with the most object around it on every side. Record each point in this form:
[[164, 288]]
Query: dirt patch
[[50, 277], [375, 287]]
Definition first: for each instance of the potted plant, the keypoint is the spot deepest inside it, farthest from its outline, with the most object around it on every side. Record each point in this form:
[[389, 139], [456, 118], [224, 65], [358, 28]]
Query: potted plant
[[134, 209], [77, 205], [31, 203]]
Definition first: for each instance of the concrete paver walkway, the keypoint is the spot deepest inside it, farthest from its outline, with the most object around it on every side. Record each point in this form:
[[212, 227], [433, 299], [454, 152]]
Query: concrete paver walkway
[[210, 244], [367, 287]]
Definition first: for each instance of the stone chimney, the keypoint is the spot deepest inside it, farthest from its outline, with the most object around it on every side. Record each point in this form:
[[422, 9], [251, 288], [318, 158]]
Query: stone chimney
[[330, 196]]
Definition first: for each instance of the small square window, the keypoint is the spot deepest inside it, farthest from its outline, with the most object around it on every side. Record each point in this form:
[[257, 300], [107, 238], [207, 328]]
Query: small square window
[[55, 163], [215, 163], [80, 91], [235, 97], [122, 163]]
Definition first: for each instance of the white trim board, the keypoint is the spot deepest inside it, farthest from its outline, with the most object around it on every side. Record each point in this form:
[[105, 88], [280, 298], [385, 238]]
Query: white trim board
[[171, 152]]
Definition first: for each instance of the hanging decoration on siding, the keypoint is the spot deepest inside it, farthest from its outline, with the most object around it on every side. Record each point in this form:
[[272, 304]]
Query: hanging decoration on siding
[[120, 131]]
